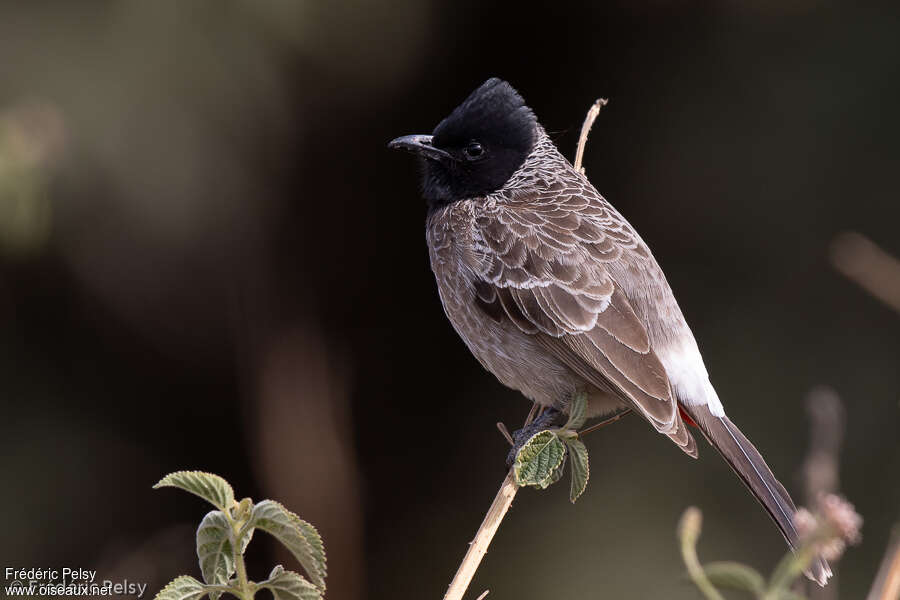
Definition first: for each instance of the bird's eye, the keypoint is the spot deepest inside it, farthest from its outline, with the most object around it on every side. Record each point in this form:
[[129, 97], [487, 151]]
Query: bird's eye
[[473, 150]]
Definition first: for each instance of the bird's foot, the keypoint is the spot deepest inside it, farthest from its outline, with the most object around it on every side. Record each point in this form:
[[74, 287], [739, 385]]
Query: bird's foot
[[544, 421]]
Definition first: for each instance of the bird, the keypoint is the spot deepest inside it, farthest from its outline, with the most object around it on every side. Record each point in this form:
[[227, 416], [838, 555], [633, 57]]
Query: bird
[[556, 294]]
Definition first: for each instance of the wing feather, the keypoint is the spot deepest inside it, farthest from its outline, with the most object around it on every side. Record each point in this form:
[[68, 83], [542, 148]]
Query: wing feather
[[546, 263]]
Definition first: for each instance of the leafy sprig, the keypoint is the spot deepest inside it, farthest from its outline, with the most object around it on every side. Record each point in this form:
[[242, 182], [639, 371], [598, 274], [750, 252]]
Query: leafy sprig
[[825, 533], [541, 460], [223, 537]]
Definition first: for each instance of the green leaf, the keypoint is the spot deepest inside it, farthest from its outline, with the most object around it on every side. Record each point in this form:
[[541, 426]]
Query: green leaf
[[555, 476], [312, 536], [291, 531], [538, 458], [182, 588], [211, 488], [735, 576], [214, 550], [288, 585], [577, 411], [581, 468]]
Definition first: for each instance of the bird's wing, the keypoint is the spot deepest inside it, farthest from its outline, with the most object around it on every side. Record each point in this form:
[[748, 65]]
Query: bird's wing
[[542, 264]]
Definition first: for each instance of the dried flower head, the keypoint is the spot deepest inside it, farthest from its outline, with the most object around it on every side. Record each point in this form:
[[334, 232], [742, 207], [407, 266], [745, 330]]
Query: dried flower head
[[805, 523], [832, 549], [842, 516], [834, 525]]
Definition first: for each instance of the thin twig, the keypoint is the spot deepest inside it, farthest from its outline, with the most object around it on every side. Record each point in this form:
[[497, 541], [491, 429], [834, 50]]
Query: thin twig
[[478, 547], [502, 501], [505, 433], [688, 532], [592, 113], [535, 409], [887, 582], [604, 423], [504, 498]]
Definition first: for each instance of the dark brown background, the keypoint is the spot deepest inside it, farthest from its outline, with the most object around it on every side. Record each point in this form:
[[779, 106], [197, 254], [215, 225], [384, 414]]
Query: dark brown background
[[224, 269]]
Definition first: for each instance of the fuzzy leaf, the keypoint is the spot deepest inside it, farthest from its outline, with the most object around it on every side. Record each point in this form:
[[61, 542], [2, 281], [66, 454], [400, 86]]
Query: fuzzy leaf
[[581, 468], [288, 585], [577, 411], [538, 459], [555, 476], [182, 588], [289, 529], [211, 488], [315, 540], [214, 549], [735, 576]]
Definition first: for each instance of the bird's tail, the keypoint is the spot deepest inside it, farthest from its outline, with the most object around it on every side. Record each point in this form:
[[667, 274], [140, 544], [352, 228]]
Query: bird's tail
[[748, 464]]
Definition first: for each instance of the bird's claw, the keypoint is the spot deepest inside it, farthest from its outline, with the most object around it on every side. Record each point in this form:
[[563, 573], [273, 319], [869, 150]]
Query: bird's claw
[[544, 421]]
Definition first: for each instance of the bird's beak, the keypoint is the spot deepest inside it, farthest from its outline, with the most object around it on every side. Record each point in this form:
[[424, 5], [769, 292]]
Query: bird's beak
[[419, 144]]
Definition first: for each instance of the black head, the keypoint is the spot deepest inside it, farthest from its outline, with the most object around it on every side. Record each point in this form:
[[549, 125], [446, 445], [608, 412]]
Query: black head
[[477, 148]]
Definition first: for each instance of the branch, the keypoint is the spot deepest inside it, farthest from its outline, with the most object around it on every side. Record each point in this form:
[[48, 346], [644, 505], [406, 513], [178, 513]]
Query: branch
[[688, 532], [479, 545], [604, 423], [592, 113], [503, 500], [887, 582]]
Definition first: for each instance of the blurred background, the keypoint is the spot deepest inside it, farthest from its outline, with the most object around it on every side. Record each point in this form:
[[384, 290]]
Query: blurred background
[[209, 260]]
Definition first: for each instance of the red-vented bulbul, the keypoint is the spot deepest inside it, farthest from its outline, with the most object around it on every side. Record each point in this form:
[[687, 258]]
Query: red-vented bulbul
[[556, 294]]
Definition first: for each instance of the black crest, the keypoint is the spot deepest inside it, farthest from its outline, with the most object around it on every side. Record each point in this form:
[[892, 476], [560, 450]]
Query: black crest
[[485, 139], [495, 113]]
